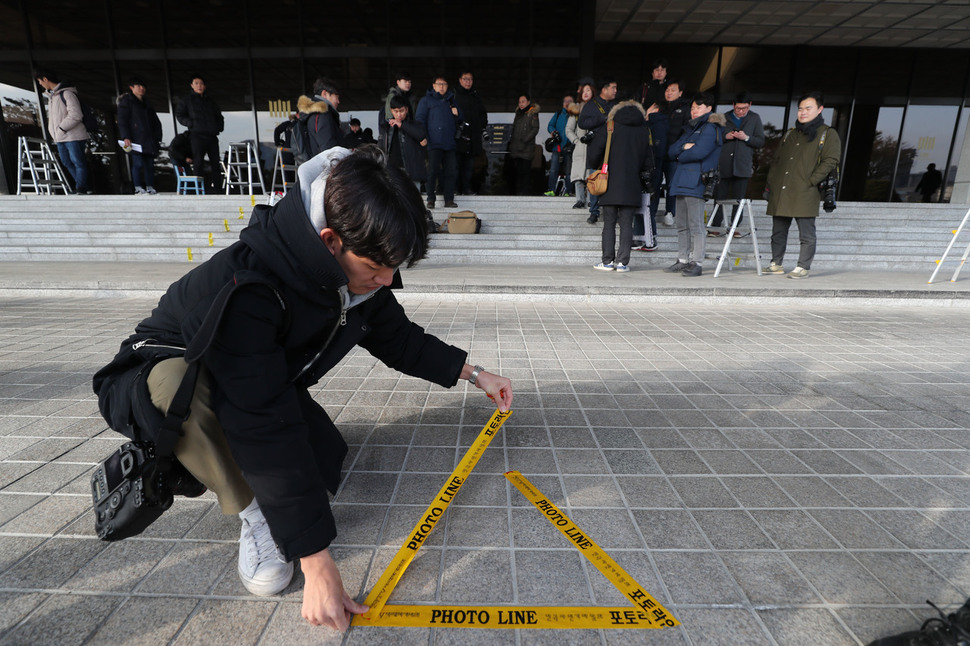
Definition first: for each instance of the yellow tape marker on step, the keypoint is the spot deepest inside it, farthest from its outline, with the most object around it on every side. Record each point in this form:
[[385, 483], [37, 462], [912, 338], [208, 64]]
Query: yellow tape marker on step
[[225, 223], [189, 251], [210, 239], [252, 198], [737, 262], [242, 213], [385, 585]]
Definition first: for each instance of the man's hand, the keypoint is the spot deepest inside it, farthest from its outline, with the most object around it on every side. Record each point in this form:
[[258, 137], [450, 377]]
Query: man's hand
[[653, 108], [688, 145], [394, 123], [497, 387], [127, 143], [424, 142], [325, 602], [454, 110]]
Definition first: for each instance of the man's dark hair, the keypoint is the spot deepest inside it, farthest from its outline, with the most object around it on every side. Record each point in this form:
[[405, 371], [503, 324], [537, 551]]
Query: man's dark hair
[[355, 121], [134, 80], [931, 167], [375, 209], [814, 94], [704, 98], [464, 71], [434, 79], [658, 62], [46, 73], [677, 82], [402, 75], [526, 95], [324, 84], [197, 76], [742, 97], [398, 101], [604, 82]]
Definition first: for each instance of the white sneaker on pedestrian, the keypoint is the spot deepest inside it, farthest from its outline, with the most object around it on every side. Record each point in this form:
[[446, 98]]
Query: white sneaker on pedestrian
[[261, 566], [140, 191], [669, 219], [151, 190]]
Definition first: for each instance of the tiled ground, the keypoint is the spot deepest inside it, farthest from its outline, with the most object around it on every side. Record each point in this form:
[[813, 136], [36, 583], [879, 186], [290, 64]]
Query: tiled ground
[[773, 474]]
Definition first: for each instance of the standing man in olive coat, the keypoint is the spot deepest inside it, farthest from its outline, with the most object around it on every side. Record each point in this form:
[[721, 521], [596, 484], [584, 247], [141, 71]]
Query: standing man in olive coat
[[807, 154]]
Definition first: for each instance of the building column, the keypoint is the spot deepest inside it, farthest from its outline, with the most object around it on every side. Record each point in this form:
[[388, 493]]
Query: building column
[[961, 185]]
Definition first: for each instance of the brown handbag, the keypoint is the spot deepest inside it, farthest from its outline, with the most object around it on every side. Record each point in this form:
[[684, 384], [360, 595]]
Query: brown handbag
[[597, 180]]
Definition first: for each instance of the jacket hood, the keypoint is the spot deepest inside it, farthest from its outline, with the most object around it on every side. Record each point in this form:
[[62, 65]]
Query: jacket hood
[[575, 108], [532, 109], [628, 113], [432, 93], [306, 105], [717, 119]]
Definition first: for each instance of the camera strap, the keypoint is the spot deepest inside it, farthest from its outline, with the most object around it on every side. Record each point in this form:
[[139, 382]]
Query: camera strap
[[178, 412]]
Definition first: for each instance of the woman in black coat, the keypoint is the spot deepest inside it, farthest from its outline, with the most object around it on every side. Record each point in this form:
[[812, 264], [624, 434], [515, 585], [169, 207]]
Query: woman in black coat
[[138, 124], [631, 156]]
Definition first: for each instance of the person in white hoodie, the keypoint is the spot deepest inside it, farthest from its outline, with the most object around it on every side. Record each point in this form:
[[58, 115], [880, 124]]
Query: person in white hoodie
[[65, 122]]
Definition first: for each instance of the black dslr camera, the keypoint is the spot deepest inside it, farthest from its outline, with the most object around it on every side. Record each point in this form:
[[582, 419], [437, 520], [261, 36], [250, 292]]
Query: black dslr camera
[[133, 487], [827, 188], [710, 178], [130, 492], [646, 181], [588, 137]]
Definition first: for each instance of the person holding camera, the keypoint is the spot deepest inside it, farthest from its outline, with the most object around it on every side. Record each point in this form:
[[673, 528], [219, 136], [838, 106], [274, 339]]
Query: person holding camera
[[522, 143], [257, 326], [561, 148], [592, 118], [695, 154], [808, 153], [575, 135], [631, 163]]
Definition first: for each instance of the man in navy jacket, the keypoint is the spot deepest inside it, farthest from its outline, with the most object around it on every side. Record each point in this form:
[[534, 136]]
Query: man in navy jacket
[[438, 113]]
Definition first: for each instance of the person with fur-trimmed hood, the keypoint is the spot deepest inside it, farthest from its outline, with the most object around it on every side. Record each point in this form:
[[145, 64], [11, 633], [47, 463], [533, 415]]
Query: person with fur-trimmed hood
[[323, 120], [695, 152], [631, 164], [522, 143]]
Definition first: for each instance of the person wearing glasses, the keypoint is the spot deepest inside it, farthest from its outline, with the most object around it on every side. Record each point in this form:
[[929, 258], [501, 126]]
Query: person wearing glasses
[[439, 114]]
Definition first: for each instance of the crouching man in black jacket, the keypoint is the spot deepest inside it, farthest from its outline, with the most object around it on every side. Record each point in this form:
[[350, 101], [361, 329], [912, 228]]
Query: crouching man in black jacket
[[265, 319]]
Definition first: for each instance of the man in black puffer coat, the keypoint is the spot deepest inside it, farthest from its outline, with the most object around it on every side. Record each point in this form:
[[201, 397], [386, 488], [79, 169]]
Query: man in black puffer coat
[[631, 158], [266, 318], [203, 118]]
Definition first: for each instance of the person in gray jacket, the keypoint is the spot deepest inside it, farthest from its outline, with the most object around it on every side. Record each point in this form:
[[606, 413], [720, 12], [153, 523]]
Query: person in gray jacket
[[743, 135], [65, 122]]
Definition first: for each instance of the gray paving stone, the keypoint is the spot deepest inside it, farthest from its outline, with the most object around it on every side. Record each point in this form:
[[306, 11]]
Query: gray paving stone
[[869, 624], [804, 626], [63, 620], [218, 621], [144, 620], [722, 626]]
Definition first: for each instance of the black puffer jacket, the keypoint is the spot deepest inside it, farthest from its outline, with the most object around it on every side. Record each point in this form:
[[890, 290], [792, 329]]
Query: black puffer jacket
[[406, 142], [288, 296], [323, 124], [200, 114], [630, 154], [138, 122]]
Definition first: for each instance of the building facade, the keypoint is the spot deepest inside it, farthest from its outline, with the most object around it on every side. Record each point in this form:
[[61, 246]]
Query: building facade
[[898, 108]]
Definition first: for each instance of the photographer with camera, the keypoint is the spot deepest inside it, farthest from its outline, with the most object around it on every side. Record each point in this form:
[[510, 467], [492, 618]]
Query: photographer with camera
[[579, 171], [561, 150], [799, 177], [256, 327], [593, 118], [695, 154], [744, 136]]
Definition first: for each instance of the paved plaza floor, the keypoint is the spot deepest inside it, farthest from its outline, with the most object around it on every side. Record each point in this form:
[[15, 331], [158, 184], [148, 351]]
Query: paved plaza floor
[[773, 474]]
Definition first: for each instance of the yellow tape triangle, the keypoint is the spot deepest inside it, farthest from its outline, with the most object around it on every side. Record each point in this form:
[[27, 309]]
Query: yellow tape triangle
[[645, 613]]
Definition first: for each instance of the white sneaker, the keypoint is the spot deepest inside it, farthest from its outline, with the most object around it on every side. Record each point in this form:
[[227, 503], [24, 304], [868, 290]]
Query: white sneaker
[[140, 191], [261, 566], [151, 190], [669, 219]]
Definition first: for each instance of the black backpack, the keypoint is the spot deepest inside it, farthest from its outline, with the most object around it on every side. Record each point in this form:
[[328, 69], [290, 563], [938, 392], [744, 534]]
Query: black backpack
[[300, 139], [87, 114]]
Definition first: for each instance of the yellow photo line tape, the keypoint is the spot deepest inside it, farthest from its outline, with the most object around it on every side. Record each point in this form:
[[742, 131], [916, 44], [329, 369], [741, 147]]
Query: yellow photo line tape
[[556, 617], [657, 615], [385, 585]]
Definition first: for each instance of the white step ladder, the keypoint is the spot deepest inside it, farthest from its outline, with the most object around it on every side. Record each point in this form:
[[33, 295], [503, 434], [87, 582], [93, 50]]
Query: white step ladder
[[39, 171], [281, 168], [963, 259], [729, 236], [243, 170]]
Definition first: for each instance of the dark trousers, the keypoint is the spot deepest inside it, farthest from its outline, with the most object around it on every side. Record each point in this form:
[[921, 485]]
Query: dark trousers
[[613, 215], [143, 169], [729, 188], [466, 164], [202, 146], [523, 175], [671, 203], [441, 163], [779, 240]]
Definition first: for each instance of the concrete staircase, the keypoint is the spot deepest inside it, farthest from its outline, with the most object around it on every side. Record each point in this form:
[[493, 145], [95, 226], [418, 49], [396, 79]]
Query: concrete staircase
[[515, 231]]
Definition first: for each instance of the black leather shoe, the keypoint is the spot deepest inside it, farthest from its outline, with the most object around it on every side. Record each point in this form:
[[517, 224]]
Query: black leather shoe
[[692, 269], [676, 267]]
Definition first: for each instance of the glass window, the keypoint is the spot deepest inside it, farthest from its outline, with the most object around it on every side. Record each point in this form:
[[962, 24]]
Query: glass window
[[136, 24], [925, 140], [67, 25], [882, 157], [766, 73]]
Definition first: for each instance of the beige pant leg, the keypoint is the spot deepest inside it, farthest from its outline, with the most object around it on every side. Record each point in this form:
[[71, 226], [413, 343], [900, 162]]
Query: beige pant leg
[[203, 449]]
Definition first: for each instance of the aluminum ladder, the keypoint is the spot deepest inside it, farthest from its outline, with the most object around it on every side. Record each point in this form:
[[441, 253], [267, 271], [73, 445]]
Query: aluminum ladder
[[963, 258], [243, 170], [281, 168], [729, 235], [38, 169]]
